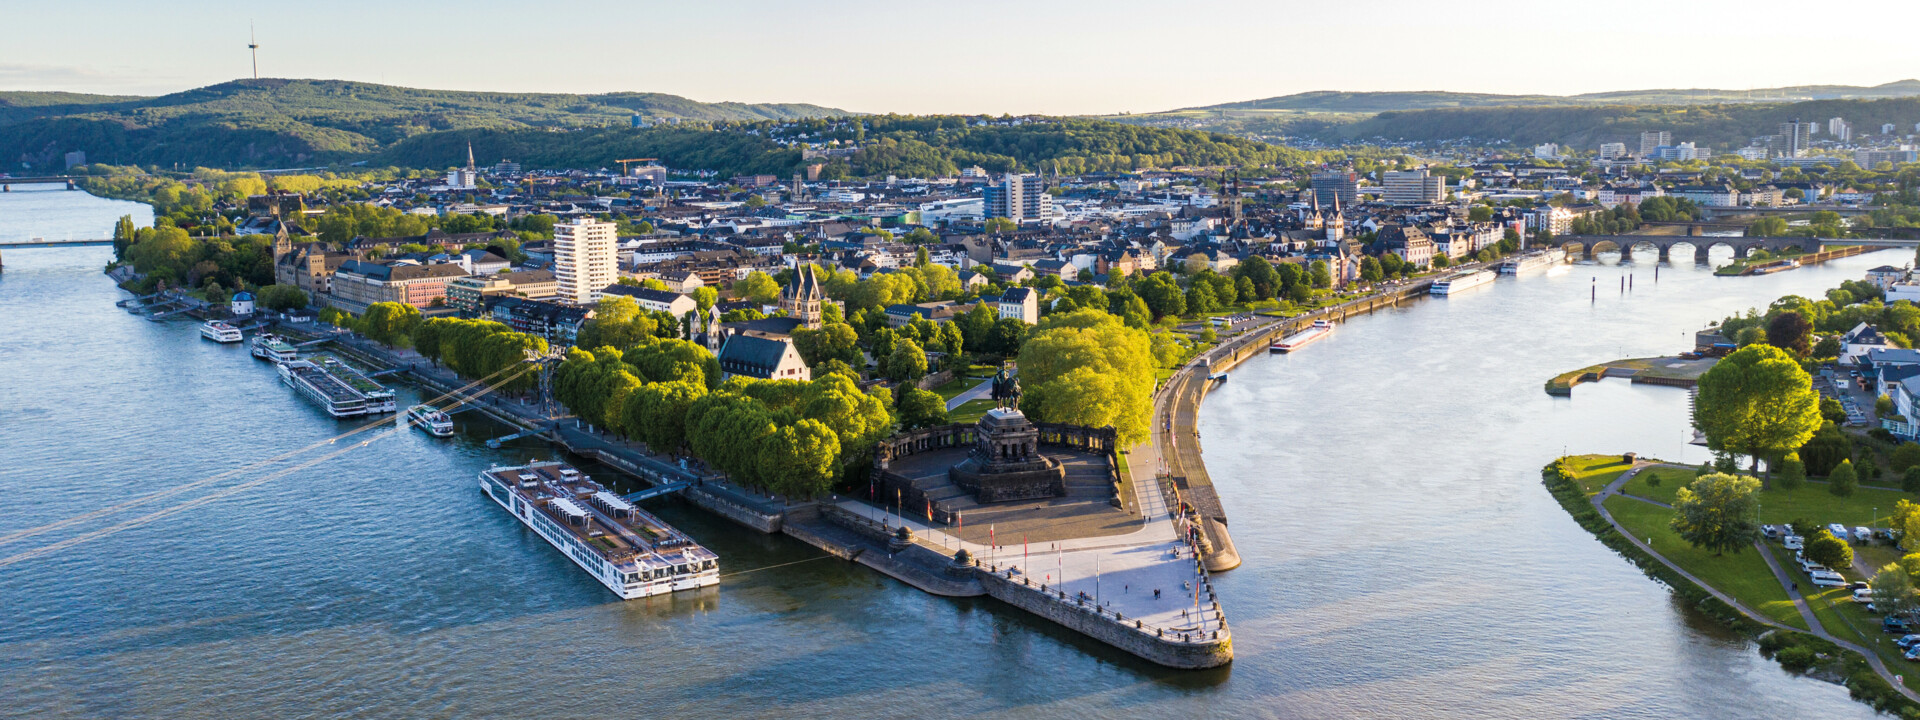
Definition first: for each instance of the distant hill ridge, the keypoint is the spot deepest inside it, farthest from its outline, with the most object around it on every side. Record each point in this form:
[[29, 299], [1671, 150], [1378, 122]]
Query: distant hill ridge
[[1373, 102], [272, 121]]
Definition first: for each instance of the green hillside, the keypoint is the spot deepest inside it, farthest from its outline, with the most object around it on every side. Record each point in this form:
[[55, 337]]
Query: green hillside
[[1721, 126], [1373, 102], [273, 122]]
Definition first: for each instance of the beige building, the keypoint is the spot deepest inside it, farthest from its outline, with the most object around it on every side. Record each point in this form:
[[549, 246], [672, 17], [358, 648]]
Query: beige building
[[585, 259], [1413, 187], [469, 294], [360, 283]]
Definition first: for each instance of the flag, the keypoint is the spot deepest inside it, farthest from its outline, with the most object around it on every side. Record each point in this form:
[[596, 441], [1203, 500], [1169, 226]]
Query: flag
[[959, 521], [929, 511]]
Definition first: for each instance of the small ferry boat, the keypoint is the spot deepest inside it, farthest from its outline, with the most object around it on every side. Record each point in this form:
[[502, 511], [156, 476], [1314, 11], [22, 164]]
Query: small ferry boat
[[1290, 343], [1463, 281], [339, 388], [268, 347], [1533, 260], [220, 332], [628, 550], [431, 419]]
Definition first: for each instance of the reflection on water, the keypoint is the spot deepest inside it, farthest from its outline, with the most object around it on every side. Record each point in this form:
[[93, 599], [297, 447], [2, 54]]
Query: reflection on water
[[1401, 557]]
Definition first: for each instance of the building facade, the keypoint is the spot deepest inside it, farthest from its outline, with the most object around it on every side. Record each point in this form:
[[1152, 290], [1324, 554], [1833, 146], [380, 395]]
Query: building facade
[[585, 259], [1021, 198], [1413, 187]]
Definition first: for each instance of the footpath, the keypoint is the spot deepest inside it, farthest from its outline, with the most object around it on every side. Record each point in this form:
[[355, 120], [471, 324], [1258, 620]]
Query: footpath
[[1806, 613]]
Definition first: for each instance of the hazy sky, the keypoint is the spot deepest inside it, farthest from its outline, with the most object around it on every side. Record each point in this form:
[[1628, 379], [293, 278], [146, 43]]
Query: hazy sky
[[1093, 56]]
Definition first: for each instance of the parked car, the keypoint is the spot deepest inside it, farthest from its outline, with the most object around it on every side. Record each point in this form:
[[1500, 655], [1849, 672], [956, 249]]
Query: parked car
[[1839, 531], [1913, 653], [1864, 596], [1862, 534], [1907, 641], [1770, 532], [1827, 580], [1793, 542], [1896, 624]]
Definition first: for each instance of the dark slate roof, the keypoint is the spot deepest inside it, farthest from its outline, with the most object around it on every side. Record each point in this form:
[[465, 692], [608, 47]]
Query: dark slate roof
[[749, 354], [781, 326], [1015, 295], [640, 293]]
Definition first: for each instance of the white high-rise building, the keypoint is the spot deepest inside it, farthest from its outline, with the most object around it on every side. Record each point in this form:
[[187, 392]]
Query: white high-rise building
[[1547, 151], [1613, 151], [585, 259]]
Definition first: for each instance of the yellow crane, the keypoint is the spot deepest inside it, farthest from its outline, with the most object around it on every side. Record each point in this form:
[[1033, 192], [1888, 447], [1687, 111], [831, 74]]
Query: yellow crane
[[623, 163]]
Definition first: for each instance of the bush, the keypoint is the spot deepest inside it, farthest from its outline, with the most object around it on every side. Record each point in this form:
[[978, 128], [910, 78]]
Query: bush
[[1842, 480], [1904, 457], [1792, 472], [1797, 659], [1910, 480]]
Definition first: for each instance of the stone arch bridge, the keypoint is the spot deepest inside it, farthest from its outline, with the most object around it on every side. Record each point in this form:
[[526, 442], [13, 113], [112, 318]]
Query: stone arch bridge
[[1586, 245]]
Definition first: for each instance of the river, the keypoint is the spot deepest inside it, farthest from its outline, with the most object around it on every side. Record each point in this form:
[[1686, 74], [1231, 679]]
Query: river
[[1402, 558]]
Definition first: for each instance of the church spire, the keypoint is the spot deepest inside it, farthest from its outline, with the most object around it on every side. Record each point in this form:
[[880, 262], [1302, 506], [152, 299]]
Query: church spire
[[469, 156]]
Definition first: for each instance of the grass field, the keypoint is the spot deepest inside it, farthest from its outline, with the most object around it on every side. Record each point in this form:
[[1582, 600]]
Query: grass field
[[1743, 575], [970, 411], [1811, 501], [1593, 472]]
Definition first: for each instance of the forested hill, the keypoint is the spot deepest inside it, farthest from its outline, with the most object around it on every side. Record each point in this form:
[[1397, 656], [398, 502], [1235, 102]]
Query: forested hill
[[1369, 102], [1723, 126], [927, 146], [274, 122]]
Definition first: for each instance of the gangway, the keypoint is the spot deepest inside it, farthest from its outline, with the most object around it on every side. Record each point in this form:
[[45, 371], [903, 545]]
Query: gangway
[[141, 299], [658, 490], [388, 371], [156, 316], [311, 343], [504, 439]]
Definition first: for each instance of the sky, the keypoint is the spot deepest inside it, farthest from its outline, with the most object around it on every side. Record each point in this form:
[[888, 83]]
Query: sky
[[983, 56]]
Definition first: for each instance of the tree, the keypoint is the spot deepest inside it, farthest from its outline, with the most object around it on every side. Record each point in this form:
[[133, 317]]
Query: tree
[[1757, 401], [1892, 590], [282, 298], [618, 323], [1001, 225], [1088, 368], [832, 341], [1718, 512], [907, 362], [705, 297], [1828, 550], [800, 458], [758, 287], [1789, 331], [1843, 479], [1907, 455], [388, 322], [1321, 277], [918, 408], [1883, 405], [1792, 472], [657, 413]]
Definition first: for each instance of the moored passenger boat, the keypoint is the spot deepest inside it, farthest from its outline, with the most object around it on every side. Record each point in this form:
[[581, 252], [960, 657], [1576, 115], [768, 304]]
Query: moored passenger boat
[[626, 549], [431, 419], [339, 388], [1463, 281], [220, 332], [268, 347]]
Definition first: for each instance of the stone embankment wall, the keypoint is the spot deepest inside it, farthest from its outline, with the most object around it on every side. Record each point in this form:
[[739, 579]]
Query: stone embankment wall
[[1193, 653], [714, 503]]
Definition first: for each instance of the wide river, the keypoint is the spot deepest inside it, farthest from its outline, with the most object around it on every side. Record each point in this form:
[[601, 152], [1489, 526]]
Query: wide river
[[1402, 558]]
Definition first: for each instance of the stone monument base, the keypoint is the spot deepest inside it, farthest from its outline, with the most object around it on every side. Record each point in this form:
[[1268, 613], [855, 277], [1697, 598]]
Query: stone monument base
[[1044, 478]]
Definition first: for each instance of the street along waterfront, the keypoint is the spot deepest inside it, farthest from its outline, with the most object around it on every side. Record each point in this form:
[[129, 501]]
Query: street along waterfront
[[1400, 554]]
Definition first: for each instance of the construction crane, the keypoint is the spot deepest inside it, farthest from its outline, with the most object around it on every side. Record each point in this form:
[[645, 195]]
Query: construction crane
[[624, 170]]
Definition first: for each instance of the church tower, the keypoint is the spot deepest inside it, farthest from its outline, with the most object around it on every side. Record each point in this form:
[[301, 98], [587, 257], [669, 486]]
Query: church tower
[[802, 297], [1337, 226]]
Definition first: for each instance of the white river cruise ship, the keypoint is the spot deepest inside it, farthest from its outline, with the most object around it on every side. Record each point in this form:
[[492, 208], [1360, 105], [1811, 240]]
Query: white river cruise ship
[[627, 549]]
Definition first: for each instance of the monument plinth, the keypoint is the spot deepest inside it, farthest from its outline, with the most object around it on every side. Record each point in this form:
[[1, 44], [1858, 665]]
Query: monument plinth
[[1006, 464]]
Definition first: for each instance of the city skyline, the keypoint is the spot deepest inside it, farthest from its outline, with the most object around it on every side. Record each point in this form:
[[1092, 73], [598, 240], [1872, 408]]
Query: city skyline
[[1118, 57]]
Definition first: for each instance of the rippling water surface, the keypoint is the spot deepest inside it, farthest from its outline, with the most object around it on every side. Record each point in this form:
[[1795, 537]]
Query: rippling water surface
[[1402, 559]]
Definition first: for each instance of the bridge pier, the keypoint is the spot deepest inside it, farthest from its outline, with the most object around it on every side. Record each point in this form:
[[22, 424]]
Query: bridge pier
[[1666, 252]]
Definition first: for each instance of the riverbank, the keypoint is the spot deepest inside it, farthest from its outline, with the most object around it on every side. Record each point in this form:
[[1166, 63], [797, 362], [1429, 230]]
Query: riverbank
[[1587, 486], [1664, 370], [1743, 267]]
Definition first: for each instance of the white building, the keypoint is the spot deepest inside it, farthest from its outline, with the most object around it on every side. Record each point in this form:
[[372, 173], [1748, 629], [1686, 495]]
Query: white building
[[466, 178], [585, 259], [1021, 304], [1613, 151], [1547, 151], [1840, 129]]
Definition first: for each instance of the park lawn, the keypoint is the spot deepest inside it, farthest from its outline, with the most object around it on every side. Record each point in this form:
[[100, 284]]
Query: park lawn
[[951, 388], [970, 411], [1848, 620], [1743, 575], [1593, 472], [1670, 480], [1811, 502]]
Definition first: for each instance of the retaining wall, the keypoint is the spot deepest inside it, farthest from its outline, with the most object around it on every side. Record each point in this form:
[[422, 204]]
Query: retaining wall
[[1170, 652], [731, 510]]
